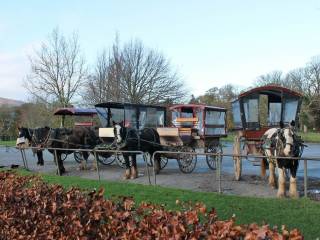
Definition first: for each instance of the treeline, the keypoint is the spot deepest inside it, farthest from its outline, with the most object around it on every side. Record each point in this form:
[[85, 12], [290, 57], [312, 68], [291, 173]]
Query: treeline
[[305, 80], [130, 72]]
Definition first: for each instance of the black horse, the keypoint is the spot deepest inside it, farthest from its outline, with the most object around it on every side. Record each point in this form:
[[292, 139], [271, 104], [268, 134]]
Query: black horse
[[30, 137], [129, 139], [75, 138]]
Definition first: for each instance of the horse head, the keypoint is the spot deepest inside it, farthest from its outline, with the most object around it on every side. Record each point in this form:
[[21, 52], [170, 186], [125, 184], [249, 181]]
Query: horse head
[[24, 136], [119, 131]]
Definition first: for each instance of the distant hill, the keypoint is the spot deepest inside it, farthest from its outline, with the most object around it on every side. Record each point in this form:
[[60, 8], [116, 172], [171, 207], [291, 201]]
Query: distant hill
[[10, 102]]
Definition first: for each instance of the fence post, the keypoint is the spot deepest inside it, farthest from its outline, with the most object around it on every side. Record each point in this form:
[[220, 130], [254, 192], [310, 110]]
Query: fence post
[[147, 167], [305, 173], [219, 172], [57, 162], [23, 160], [97, 164]]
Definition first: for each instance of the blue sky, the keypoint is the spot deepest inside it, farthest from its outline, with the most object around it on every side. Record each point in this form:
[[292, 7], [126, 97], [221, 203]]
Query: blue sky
[[210, 43]]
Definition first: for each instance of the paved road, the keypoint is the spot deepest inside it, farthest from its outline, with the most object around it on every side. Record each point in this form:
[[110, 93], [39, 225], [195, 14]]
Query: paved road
[[202, 179]]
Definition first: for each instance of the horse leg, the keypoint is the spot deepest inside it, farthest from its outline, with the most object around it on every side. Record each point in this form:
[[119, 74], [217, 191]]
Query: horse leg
[[84, 159], [60, 164], [272, 181], [282, 183], [272, 175], [293, 193], [40, 158], [134, 170], [127, 163]]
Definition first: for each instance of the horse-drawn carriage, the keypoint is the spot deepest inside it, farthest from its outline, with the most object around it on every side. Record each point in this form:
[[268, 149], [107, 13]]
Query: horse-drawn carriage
[[82, 117], [193, 127], [254, 112], [200, 128]]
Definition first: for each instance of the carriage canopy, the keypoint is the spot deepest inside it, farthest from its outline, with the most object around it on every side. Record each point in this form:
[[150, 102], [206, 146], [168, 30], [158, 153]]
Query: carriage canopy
[[132, 115], [82, 116], [265, 107], [206, 120]]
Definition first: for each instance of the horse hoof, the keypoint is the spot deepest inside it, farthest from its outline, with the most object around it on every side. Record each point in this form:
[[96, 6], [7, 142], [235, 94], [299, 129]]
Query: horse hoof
[[281, 195], [294, 195], [126, 175]]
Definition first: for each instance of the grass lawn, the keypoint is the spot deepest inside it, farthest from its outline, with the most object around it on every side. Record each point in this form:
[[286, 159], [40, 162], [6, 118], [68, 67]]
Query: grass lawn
[[8, 143], [312, 137], [302, 213]]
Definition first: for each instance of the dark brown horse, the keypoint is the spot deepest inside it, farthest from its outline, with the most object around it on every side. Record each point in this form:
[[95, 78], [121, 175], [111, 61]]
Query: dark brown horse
[[64, 138]]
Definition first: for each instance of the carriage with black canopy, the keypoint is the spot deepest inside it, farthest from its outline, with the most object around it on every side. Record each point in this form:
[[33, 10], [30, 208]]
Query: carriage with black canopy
[[132, 116], [187, 132], [254, 112], [82, 117]]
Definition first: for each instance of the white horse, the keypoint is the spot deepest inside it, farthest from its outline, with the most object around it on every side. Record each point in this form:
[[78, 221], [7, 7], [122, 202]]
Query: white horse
[[283, 142]]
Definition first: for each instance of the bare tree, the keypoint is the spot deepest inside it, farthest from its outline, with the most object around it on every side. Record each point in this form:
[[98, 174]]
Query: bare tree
[[57, 70], [134, 74], [274, 77]]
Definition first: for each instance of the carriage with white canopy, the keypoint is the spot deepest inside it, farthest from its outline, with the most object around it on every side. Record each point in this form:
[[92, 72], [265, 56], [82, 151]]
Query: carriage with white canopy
[[254, 112]]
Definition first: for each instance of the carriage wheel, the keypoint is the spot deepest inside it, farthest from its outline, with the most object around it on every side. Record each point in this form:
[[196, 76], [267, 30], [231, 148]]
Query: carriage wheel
[[163, 160], [187, 163], [106, 160], [78, 157], [64, 156], [237, 161], [212, 160], [120, 160]]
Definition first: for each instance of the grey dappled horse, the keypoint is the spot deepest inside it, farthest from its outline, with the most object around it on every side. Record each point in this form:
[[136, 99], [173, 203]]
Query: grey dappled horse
[[283, 142]]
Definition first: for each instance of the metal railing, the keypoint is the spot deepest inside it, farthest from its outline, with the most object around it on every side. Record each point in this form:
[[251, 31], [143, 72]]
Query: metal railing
[[218, 170], [305, 159], [95, 153]]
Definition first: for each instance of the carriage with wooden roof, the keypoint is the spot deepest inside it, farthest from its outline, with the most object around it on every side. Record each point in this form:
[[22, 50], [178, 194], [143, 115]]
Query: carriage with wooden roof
[[254, 112], [193, 127], [200, 128]]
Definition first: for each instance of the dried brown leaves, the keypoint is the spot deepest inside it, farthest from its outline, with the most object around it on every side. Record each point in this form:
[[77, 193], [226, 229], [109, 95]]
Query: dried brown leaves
[[31, 209]]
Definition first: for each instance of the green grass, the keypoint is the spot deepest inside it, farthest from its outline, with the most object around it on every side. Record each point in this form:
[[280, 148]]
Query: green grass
[[302, 213], [8, 143], [311, 137]]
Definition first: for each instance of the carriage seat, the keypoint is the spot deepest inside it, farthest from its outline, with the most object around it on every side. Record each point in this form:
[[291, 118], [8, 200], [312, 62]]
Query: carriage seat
[[106, 132], [169, 136]]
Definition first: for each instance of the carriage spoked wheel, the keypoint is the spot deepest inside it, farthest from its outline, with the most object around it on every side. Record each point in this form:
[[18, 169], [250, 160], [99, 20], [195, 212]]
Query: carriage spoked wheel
[[106, 160], [64, 156], [187, 162], [212, 161], [120, 160], [163, 160], [237, 161], [78, 157]]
